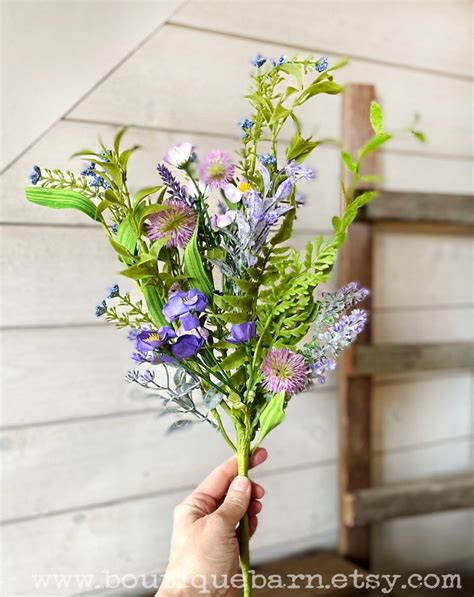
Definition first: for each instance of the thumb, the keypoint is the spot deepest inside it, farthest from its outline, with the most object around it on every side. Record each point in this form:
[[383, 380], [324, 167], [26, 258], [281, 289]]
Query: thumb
[[236, 502]]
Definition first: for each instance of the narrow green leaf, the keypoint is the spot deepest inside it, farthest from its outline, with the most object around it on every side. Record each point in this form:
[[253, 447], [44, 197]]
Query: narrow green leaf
[[286, 228], [146, 192], [349, 162], [154, 304], [271, 416], [293, 69], [120, 249], [194, 268], [118, 139], [373, 144], [376, 118], [126, 235], [125, 156], [62, 199], [316, 88]]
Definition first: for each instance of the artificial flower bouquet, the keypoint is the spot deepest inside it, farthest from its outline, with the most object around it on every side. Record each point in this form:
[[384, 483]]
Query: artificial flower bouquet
[[228, 310]]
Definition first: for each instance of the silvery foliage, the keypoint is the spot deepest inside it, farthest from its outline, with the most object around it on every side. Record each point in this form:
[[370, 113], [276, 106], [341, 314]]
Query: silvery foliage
[[176, 394]]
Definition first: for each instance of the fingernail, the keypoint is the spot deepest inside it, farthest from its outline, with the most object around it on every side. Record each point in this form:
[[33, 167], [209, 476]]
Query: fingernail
[[240, 483]]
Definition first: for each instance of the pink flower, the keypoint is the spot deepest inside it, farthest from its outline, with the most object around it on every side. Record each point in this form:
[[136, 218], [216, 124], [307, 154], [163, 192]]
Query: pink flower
[[177, 222], [232, 193], [222, 220], [179, 154], [216, 169], [284, 370]]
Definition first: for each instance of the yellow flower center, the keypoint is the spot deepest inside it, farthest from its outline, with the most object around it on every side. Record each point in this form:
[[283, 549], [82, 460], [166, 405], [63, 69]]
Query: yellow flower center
[[244, 186], [154, 336]]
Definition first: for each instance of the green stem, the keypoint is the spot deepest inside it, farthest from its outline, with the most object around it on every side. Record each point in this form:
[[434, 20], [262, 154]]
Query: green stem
[[243, 455], [220, 424]]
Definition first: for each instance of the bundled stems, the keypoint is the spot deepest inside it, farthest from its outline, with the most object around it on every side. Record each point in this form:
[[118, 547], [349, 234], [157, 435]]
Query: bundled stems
[[243, 455]]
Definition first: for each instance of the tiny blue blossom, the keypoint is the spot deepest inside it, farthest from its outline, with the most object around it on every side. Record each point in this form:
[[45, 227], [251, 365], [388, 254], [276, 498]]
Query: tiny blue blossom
[[267, 159], [280, 60], [88, 170], [114, 228], [246, 124], [114, 291], [101, 309], [259, 60], [35, 175], [322, 64]]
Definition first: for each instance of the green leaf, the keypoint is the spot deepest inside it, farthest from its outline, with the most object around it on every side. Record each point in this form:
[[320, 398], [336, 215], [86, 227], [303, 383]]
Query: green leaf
[[293, 69], [121, 250], [316, 88], [342, 62], [194, 268], [154, 304], [146, 192], [376, 118], [349, 162], [286, 228], [419, 135], [299, 148], [146, 269], [373, 144], [235, 302], [127, 235], [118, 139], [271, 416], [150, 209], [125, 156], [62, 199], [234, 360]]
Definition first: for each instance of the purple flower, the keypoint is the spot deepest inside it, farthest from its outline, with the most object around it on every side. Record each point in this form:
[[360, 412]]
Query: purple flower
[[284, 370], [184, 302], [187, 346], [175, 189], [147, 340], [259, 60], [146, 376], [188, 322], [242, 332], [35, 175], [333, 304], [177, 221], [216, 169], [297, 172], [222, 220]]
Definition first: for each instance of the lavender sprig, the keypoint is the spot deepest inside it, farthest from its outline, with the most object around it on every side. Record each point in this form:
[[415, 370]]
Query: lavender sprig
[[175, 189]]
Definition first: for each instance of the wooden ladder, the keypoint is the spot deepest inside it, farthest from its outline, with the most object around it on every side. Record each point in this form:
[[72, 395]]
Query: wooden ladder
[[361, 504]]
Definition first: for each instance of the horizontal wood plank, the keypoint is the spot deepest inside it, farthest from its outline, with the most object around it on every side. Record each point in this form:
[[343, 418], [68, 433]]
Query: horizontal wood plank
[[381, 359], [401, 92], [421, 207], [376, 504], [394, 31], [311, 574], [35, 461], [59, 78], [133, 536]]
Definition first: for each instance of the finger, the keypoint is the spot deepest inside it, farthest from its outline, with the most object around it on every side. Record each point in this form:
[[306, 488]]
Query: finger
[[258, 457], [236, 502], [253, 523], [216, 484], [257, 491], [255, 508]]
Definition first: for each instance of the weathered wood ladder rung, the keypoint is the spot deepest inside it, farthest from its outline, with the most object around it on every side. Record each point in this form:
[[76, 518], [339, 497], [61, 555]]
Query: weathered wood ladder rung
[[361, 504]]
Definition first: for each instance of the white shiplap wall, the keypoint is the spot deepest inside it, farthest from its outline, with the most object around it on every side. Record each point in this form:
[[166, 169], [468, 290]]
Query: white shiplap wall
[[89, 480]]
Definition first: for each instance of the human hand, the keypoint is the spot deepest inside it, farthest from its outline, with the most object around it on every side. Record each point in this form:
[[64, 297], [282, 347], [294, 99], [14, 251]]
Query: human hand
[[204, 545]]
